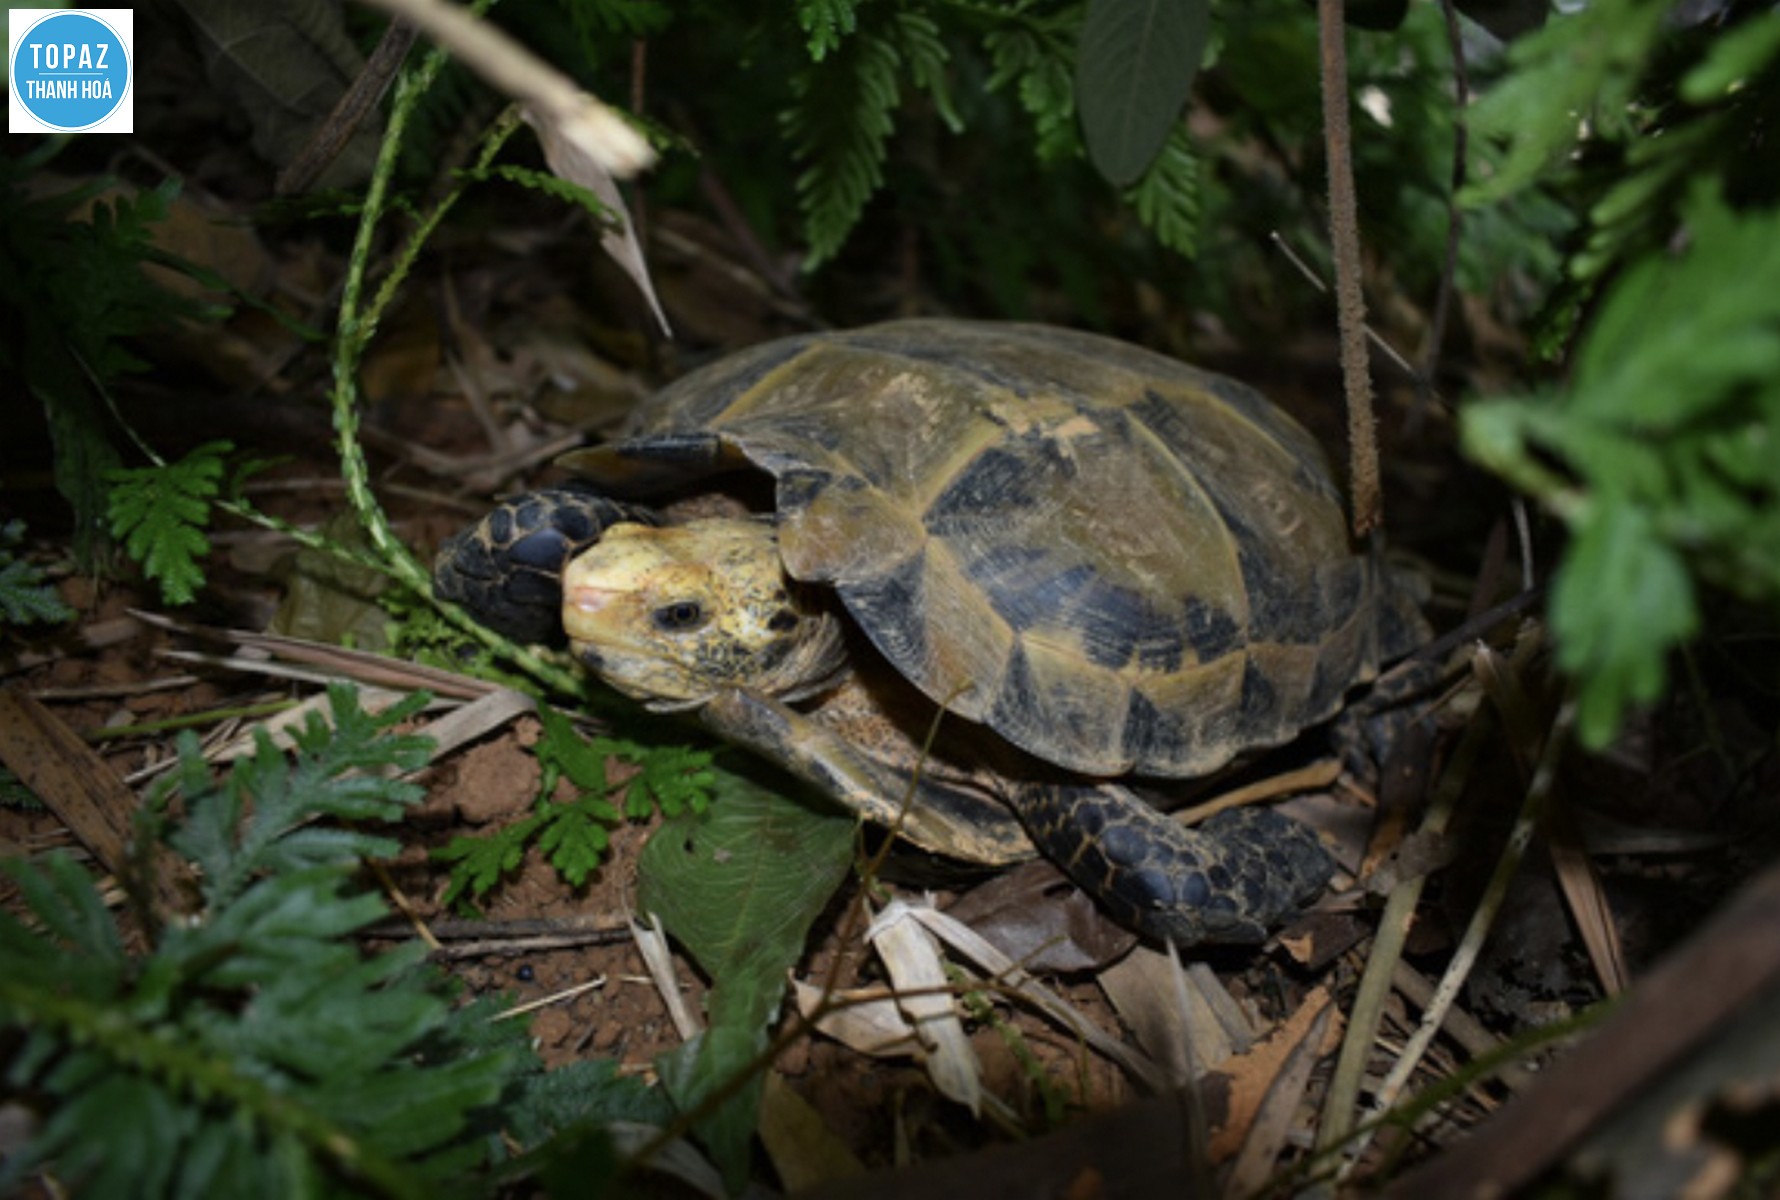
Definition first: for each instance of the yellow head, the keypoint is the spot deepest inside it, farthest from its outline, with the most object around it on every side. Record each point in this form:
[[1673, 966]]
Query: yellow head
[[671, 616]]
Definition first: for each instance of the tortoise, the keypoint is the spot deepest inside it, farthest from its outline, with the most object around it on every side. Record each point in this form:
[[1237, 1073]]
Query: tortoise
[[1102, 564]]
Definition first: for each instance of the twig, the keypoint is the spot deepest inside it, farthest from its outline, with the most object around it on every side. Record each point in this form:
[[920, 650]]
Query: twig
[[190, 720], [1471, 943], [590, 126], [349, 113], [1350, 303], [1699, 991], [1342, 1101], [111, 691], [568, 993], [1318, 774], [1395, 355]]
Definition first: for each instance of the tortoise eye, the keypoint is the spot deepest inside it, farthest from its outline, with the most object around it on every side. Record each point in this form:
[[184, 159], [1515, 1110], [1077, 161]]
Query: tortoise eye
[[679, 616]]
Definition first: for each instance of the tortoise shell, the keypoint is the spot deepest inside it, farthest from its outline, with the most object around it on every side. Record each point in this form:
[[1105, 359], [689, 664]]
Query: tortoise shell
[[1118, 562]]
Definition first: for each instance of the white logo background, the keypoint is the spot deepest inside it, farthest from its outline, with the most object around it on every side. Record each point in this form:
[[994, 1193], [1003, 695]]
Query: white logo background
[[19, 26]]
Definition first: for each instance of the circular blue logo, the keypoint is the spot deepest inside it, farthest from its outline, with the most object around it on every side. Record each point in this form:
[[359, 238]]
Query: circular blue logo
[[71, 70]]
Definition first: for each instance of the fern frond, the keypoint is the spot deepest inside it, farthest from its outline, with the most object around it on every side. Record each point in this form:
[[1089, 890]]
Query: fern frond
[[827, 23], [332, 773], [1167, 198], [918, 42], [674, 779], [73, 298], [1579, 73], [161, 512], [24, 596], [628, 18], [839, 123], [554, 186], [479, 863], [254, 1050], [574, 835], [1724, 108], [1040, 63], [1665, 428]]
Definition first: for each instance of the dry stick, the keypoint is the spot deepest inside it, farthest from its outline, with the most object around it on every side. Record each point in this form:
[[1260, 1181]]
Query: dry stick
[[1470, 945], [1350, 304], [546, 93], [1719, 975], [1342, 1100], [358, 102], [88, 797], [1319, 774], [1372, 335]]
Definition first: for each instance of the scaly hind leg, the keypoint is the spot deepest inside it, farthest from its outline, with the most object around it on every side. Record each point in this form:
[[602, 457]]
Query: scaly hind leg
[[1231, 879]]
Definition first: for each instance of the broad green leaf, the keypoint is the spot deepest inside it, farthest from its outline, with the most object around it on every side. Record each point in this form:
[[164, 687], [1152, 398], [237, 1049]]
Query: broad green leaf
[[695, 1069], [739, 886], [1134, 70]]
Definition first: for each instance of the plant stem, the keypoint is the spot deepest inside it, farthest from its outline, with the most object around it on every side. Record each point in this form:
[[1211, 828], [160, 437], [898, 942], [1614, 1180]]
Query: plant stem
[[1350, 302]]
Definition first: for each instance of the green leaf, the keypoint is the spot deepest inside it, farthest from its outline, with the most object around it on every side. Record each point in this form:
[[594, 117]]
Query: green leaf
[[827, 22], [675, 779], [918, 41], [573, 835], [579, 1093], [1167, 197], [1733, 58], [1620, 600], [739, 886], [839, 122], [1578, 72], [481, 862], [252, 1048], [161, 512], [1040, 62], [583, 760], [1661, 456], [73, 297], [1675, 334], [1134, 71], [332, 773], [574, 838], [75, 927], [739, 883], [556, 187], [629, 18], [24, 596]]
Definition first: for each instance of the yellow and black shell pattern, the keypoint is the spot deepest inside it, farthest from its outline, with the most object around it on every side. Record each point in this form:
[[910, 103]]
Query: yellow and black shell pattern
[[1118, 562]]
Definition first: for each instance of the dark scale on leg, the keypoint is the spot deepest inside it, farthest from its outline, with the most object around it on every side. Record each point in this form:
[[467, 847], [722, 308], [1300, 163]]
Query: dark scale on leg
[[1231, 879]]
